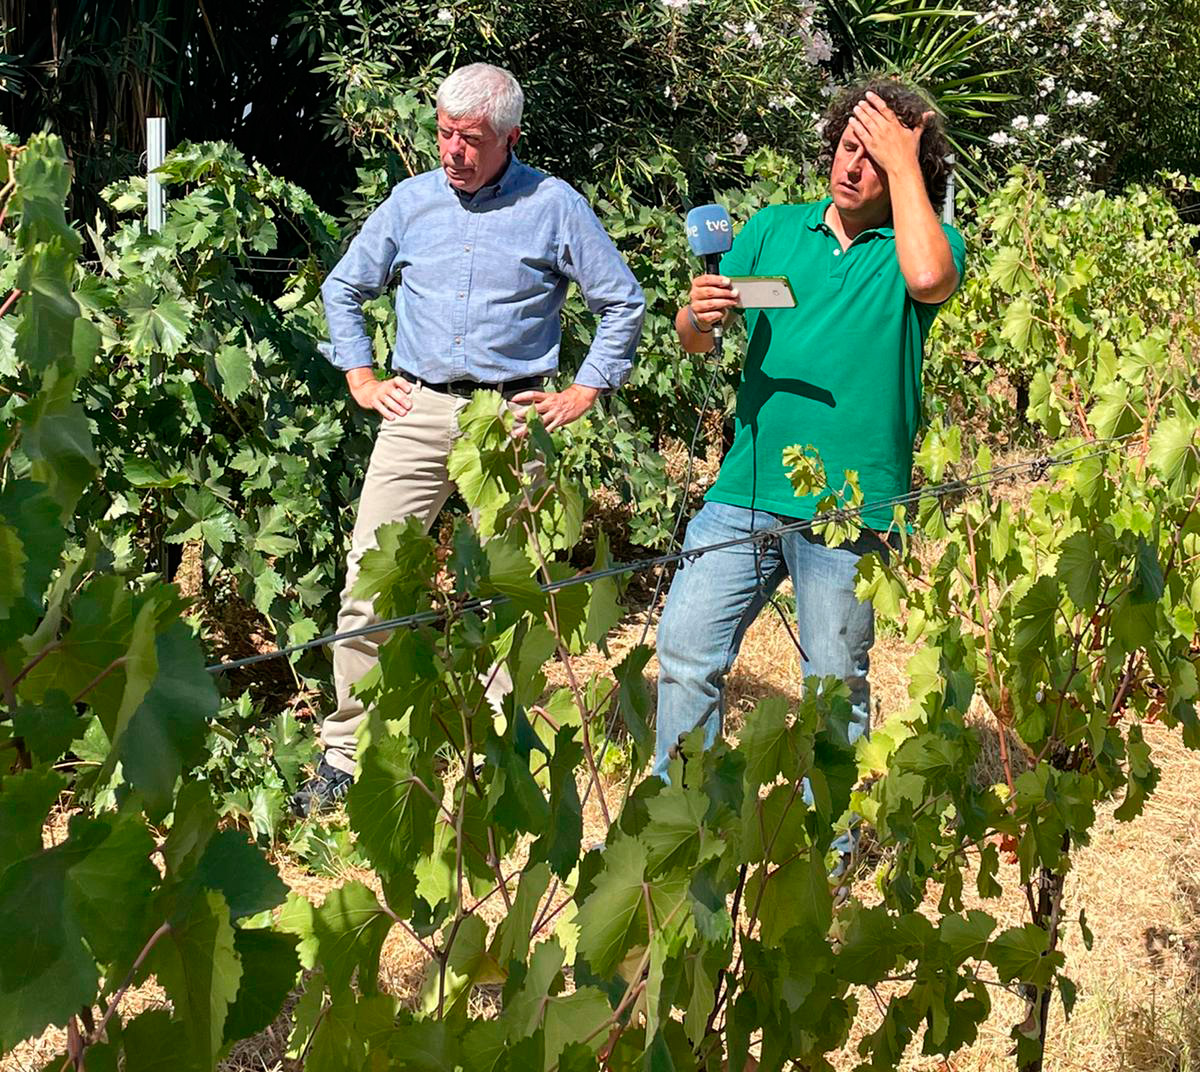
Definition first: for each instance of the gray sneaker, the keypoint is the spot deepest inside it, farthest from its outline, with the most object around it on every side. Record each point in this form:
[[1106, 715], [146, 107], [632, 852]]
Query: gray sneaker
[[322, 792]]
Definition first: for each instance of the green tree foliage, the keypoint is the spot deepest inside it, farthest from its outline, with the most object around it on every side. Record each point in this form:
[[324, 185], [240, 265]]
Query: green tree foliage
[[93, 70]]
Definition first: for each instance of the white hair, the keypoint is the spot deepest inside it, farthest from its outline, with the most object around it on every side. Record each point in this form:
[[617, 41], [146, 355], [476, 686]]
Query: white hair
[[481, 89]]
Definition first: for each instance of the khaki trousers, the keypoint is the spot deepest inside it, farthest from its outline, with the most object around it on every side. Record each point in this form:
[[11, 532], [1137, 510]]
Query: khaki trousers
[[407, 477]]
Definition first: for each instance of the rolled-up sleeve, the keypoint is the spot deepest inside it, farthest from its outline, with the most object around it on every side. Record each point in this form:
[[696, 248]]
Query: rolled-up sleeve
[[588, 256], [358, 277]]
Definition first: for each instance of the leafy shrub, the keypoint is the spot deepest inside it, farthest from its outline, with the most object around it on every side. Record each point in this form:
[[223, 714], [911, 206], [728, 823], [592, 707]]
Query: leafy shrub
[[1060, 296]]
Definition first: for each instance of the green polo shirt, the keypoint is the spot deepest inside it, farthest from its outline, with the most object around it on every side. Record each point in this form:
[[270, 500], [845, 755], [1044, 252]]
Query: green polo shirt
[[841, 371]]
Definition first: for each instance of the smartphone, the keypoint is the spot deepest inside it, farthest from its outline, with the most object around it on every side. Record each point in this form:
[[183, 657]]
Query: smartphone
[[764, 292]]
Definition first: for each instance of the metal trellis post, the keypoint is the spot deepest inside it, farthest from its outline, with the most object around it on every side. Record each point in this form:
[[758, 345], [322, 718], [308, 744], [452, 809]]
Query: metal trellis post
[[156, 151], [948, 204]]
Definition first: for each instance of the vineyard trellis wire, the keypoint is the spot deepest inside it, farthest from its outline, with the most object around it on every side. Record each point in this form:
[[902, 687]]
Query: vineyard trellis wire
[[1036, 467]]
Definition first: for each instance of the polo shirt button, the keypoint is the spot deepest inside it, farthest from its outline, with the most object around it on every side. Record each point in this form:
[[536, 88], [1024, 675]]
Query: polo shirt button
[[461, 294], [458, 340], [837, 252], [466, 249]]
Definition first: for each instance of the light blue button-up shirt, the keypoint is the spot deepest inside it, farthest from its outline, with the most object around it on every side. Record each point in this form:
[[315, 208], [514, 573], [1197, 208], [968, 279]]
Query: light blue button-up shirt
[[482, 280]]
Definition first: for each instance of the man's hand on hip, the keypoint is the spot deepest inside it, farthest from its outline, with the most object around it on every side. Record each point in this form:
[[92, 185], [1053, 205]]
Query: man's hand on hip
[[558, 408], [388, 397]]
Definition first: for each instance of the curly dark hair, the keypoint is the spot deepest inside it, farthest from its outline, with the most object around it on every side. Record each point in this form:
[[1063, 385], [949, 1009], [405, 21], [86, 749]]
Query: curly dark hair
[[909, 104]]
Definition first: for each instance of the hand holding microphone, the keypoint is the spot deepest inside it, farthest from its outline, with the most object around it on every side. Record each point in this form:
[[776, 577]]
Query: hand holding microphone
[[710, 233], [710, 297]]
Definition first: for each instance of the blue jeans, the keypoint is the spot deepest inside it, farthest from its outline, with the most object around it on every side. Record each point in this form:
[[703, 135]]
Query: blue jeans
[[714, 599]]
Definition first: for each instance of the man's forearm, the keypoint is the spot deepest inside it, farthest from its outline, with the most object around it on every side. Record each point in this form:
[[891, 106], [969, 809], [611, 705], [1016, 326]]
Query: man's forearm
[[356, 377], [921, 246], [691, 338]]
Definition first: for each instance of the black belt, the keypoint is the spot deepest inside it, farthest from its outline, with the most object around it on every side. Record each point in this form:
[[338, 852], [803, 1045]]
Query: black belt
[[466, 388]]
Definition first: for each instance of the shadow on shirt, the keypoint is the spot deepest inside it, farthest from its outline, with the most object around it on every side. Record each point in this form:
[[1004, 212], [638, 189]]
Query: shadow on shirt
[[758, 386]]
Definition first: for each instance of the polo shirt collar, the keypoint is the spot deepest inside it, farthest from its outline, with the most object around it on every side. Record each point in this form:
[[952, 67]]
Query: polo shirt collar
[[817, 223]]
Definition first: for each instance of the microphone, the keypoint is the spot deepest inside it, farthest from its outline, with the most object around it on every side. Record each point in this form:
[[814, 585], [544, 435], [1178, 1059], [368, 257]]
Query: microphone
[[710, 233]]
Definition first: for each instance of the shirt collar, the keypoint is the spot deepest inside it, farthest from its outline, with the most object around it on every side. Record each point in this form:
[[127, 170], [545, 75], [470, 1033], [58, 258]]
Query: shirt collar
[[505, 183], [817, 223]]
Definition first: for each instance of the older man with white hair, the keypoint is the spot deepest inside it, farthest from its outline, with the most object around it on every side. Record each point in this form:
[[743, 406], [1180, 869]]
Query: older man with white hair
[[483, 250]]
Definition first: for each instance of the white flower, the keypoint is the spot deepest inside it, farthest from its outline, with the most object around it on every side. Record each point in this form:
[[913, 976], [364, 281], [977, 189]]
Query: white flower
[[818, 49], [1082, 99], [1040, 121], [710, 159], [678, 5], [594, 151], [1020, 122], [445, 15], [788, 100], [1002, 138], [739, 142]]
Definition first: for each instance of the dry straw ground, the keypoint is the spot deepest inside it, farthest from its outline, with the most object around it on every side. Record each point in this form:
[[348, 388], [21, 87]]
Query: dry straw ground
[[1139, 1003]]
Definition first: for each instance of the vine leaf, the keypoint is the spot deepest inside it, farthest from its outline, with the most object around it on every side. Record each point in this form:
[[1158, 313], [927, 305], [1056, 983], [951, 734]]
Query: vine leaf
[[608, 918], [1079, 570], [392, 815], [198, 967], [166, 733], [25, 800], [58, 443], [793, 895], [269, 969], [633, 701], [153, 1042], [48, 728], [156, 325], [1023, 953], [395, 573], [344, 935], [563, 832], [110, 889], [235, 367], [673, 835], [511, 941], [571, 1018], [519, 807], [47, 972], [240, 872], [1173, 449], [764, 739], [30, 511]]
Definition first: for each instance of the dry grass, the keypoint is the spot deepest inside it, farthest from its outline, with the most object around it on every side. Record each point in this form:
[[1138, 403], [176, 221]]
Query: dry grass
[[1139, 987]]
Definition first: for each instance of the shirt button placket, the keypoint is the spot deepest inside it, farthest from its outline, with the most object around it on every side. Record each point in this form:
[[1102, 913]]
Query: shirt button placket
[[837, 265], [458, 352]]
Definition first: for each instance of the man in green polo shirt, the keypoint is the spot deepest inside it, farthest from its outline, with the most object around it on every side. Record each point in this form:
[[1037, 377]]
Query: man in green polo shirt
[[870, 265]]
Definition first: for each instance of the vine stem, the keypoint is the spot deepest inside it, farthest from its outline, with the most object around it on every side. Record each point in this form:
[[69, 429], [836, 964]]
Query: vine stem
[[118, 661], [8, 686], [429, 951], [54, 645], [565, 656], [8, 302], [993, 673], [639, 984], [762, 890], [494, 861], [125, 984]]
